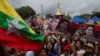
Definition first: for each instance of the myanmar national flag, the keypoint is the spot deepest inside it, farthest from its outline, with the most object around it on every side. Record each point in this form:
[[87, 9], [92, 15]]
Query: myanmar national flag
[[14, 32]]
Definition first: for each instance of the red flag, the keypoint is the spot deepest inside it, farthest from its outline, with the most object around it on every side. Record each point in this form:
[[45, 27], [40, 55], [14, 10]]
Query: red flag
[[20, 43], [97, 28]]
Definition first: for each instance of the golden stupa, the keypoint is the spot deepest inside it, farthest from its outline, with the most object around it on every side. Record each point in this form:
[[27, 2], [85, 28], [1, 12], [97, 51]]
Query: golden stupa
[[58, 11]]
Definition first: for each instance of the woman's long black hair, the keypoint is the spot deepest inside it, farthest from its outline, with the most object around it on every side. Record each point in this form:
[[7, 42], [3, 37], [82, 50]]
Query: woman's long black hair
[[3, 52], [80, 42], [52, 49]]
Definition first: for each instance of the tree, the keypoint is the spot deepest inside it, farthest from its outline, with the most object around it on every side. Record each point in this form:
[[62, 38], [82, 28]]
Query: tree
[[86, 16], [68, 16], [25, 11], [48, 15], [96, 14]]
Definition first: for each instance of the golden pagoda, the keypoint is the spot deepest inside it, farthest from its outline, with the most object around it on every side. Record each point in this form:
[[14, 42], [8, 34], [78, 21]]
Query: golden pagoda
[[58, 11]]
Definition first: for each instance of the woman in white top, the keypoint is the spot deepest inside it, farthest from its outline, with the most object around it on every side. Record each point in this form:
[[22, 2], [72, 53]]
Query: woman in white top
[[77, 48]]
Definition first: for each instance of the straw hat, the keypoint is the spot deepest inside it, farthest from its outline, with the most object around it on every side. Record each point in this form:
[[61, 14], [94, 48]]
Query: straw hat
[[90, 45]]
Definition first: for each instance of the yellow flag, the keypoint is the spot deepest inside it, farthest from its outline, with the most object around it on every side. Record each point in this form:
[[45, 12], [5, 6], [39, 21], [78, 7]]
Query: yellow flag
[[6, 8]]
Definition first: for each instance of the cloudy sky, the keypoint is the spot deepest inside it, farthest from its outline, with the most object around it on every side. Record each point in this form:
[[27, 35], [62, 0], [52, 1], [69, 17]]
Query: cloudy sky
[[73, 7]]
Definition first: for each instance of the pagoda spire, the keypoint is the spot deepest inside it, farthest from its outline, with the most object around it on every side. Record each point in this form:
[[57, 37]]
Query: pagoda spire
[[58, 11]]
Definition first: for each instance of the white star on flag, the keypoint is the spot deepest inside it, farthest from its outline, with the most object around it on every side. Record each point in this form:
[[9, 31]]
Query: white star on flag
[[14, 26], [15, 23]]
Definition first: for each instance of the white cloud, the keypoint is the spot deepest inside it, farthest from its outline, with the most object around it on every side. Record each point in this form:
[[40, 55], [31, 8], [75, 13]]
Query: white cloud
[[72, 6]]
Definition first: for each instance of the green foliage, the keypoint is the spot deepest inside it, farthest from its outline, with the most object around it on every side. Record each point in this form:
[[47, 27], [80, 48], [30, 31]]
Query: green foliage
[[68, 17], [48, 15], [96, 14], [86, 16], [25, 11]]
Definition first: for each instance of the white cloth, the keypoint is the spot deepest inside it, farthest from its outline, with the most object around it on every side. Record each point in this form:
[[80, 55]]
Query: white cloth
[[63, 55], [80, 52], [29, 53]]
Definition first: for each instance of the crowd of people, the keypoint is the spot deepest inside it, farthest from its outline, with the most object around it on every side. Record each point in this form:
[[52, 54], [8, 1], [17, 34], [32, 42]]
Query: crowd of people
[[61, 42]]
